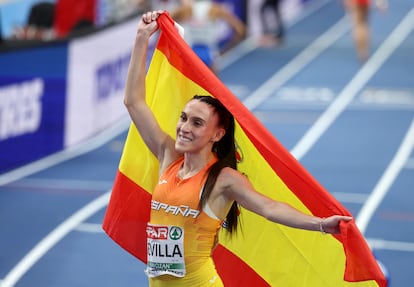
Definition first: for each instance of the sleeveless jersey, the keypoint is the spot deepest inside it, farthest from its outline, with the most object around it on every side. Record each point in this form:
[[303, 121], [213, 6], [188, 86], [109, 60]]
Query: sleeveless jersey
[[175, 202]]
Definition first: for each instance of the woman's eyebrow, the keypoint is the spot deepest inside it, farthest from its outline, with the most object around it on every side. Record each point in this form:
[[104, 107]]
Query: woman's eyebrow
[[198, 118]]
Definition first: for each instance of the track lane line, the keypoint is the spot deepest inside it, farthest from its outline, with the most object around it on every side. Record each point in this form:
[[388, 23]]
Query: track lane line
[[251, 43], [391, 245], [66, 154], [53, 238], [304, 58], [393, 41], [387, 179]]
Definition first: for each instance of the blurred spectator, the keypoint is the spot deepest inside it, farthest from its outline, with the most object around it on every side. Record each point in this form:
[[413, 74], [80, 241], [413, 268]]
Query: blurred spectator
[[39, 24], [359, 13], [73, 14], [112, 11], [201, 20], [51, 19], [168, 5], [272, 23]]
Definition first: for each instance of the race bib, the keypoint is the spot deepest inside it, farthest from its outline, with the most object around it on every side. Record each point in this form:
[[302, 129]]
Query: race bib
[[165, 250]]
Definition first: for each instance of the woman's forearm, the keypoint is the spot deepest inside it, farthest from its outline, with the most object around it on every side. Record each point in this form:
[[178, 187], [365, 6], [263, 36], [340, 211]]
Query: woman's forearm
[[135, 84]]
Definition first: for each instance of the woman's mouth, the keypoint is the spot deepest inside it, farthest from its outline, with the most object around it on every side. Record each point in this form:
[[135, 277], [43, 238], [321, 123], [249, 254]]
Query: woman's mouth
[[184, 138]]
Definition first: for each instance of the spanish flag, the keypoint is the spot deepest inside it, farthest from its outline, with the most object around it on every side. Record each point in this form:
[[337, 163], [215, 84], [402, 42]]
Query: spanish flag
[[262, 253]]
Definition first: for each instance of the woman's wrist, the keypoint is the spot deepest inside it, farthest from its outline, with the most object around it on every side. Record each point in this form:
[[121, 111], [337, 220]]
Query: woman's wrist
[[142, 36], [321, 228]]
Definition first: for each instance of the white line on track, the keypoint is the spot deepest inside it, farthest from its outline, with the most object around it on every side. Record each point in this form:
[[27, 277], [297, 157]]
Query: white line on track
[[348, 197], [73, 221], [89, 227], [375, 243], [52, 238], [398, 35], [391, 245], [309, 54], [387, 179], [250, 43], [66, 154]]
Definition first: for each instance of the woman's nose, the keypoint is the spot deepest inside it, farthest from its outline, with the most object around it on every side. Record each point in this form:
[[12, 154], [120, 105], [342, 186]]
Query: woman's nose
[[185, 126]]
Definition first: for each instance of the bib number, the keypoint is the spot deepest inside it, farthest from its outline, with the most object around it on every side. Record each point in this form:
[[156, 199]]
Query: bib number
[[165, 250]]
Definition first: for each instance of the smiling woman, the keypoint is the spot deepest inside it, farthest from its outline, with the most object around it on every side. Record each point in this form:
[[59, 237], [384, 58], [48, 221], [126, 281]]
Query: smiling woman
[[198, 170]]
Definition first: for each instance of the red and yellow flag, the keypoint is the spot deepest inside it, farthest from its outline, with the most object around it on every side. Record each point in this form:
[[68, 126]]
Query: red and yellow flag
[[262, 253]]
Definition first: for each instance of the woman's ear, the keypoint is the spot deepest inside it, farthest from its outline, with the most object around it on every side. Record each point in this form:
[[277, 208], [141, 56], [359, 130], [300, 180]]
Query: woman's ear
[[218, 135]]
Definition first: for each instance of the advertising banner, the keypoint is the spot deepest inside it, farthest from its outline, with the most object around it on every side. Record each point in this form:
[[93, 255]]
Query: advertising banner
[[32, 104], [97, 69]]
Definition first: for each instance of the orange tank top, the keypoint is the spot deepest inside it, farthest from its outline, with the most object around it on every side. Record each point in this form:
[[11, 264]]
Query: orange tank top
[[176, 202]]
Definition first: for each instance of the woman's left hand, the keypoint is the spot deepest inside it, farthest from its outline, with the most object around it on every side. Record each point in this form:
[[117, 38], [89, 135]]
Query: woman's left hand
[[331, 224]]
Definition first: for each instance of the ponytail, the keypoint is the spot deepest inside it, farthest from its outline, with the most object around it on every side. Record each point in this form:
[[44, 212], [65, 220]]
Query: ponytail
[[225, 150]]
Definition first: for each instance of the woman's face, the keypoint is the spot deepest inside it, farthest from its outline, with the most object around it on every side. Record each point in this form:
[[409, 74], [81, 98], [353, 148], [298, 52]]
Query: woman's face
[[197, 128]]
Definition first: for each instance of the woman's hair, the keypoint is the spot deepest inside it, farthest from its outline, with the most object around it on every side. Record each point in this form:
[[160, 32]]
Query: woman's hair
[[225, 150]]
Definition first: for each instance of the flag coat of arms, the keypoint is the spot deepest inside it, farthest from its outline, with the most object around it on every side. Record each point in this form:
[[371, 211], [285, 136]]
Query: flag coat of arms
[[261, 253]]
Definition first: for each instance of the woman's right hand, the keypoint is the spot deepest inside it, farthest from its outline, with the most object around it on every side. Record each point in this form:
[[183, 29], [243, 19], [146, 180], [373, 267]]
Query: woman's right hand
[[148, 23]]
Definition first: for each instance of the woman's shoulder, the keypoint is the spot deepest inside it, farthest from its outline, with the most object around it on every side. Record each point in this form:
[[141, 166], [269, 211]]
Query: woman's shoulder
[[229, 176], [231, 182]]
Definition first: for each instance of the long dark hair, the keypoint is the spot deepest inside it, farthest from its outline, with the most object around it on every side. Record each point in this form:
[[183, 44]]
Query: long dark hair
[[225, 150]]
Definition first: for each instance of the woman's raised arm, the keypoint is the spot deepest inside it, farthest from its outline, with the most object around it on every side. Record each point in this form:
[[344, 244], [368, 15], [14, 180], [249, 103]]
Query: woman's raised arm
[[135, 92]]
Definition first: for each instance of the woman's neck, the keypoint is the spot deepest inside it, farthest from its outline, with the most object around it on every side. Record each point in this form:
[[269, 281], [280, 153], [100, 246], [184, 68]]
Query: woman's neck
[[193, 164]]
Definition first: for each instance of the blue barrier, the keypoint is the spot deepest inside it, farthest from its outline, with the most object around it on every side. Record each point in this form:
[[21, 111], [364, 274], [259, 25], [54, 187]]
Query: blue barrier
[[32, 104]]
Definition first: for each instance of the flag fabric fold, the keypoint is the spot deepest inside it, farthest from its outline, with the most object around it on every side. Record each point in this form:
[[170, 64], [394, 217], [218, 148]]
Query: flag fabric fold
[[261, 253]]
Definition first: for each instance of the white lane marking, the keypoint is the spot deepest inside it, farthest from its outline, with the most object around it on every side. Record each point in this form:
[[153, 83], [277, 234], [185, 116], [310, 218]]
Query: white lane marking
[[251, 43], [54, 237], [355, 85], [387, 179], [381, 244], [66, 154], [374, 243], [311, 52], [348, 197], [89, 228]]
